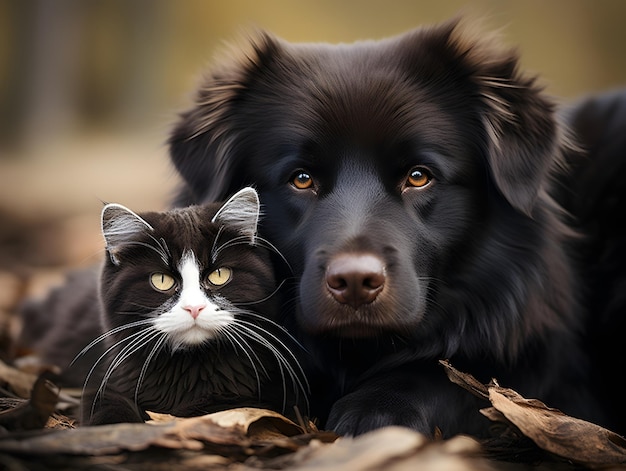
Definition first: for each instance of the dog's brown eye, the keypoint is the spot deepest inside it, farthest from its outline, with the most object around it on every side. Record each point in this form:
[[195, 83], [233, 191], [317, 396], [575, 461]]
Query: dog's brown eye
[[302, 181], [419, 177]]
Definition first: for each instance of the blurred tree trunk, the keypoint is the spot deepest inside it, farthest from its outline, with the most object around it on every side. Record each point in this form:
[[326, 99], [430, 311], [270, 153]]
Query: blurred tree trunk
[[49, 49]]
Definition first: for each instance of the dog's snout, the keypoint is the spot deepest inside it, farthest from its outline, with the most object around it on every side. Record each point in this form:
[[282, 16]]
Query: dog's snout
[[355, 279]]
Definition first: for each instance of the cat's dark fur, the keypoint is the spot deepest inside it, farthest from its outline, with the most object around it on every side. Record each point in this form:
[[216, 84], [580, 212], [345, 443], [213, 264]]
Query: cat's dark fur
[[56, 327], [196, 346]]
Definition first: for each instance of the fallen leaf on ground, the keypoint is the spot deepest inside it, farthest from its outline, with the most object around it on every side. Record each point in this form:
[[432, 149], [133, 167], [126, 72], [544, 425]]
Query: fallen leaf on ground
[[34, 413], [19, 382], [248, 420], [567, 437], [389, 448], [258, 424], [571, 438], [235, 435], [466, 381], [112, 439]]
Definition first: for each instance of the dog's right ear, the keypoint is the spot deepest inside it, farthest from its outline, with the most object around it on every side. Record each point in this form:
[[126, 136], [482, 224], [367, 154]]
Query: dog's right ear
[[205, 146], [523, 142]]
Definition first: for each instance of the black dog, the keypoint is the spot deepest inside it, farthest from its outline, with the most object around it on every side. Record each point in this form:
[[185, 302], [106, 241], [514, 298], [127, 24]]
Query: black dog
[[410, 183]]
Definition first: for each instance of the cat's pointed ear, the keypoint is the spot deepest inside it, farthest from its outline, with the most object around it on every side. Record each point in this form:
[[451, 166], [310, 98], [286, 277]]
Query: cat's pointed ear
[[241, 212], [119, 226]]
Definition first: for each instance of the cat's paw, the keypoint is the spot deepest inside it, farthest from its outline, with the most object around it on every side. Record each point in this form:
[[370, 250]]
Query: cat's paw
[[112, 409]]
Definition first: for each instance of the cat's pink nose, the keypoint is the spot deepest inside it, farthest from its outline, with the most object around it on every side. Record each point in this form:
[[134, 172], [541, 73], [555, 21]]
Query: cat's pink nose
[[194, 311]]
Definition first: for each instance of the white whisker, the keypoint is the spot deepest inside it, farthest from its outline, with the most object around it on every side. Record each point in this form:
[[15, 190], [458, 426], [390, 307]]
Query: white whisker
[[103, 355], [159, 251], [157, 347], [139, 340], [137, 343], [274, 324], [263, 299], [108, 333], [260, 336], [279, 358], [240, 240], [214, 250], [268, 245], [235, 339]]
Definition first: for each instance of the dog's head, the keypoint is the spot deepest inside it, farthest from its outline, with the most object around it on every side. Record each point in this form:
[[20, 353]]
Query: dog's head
[[402, 179]]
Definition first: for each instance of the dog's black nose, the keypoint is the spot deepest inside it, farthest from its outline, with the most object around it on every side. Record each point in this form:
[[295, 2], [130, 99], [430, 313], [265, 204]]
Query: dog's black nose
[[355, 279]]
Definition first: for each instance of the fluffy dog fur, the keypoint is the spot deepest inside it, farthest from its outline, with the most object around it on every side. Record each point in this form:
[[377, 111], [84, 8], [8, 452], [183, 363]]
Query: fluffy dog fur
[[472, 262]]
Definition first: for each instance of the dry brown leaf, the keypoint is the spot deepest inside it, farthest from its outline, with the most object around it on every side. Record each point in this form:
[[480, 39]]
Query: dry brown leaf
[[571, 438], [457, 454], [466, 381], [390, 448], [34, 413], [158, 418], [495, 415], [112, 439], [368, 451], [60, 422], [236, 434], [257, 424], [551, 430], [19, 382]]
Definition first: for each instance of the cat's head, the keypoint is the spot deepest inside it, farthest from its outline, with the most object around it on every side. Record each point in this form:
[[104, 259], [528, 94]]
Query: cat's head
[[185, 275]]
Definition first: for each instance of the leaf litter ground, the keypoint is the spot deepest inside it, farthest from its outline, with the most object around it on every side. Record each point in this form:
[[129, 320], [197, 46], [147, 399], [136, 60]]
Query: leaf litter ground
[[36, 433]]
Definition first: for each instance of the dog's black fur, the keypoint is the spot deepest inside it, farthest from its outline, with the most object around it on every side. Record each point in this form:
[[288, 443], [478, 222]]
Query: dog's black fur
[[592, 190], [410, 183]]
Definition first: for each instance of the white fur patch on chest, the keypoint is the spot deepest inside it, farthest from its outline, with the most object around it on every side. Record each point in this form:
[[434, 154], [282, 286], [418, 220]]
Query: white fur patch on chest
[[194, 318]]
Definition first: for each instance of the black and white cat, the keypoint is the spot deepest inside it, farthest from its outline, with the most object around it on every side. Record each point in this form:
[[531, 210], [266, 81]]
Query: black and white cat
[[189, 311]]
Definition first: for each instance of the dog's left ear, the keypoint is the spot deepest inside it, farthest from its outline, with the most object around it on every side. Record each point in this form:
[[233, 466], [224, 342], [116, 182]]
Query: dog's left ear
[[205, 143], [524, 139]]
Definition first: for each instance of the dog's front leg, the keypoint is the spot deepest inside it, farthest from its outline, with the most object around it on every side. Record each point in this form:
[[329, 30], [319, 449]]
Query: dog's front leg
[[405, 397]]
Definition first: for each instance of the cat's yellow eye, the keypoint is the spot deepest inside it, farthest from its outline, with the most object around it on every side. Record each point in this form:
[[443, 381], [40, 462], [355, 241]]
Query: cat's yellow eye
[[162, 281], [220, 277]]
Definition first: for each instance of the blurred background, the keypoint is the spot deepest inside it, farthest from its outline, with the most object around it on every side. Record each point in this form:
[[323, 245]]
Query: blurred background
[[90, 88]]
